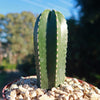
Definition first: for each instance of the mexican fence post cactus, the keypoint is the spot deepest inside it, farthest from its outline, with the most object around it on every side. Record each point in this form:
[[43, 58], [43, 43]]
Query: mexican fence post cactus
[[50, 46]]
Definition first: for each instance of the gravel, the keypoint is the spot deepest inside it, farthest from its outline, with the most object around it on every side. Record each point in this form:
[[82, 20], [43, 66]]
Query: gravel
[[72, 89]]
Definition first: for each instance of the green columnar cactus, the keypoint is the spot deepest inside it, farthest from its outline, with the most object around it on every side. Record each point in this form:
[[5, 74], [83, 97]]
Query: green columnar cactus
[[50, 43]]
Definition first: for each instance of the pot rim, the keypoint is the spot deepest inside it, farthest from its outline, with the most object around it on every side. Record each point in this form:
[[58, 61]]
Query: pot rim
[[6, 86], [9, 84]]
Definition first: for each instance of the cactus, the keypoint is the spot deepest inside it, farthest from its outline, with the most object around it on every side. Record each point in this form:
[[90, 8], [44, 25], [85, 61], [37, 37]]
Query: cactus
[[50, 46]]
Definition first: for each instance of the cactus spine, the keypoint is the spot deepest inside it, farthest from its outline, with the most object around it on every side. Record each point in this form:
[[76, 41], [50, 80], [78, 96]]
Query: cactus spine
[[50, 43]]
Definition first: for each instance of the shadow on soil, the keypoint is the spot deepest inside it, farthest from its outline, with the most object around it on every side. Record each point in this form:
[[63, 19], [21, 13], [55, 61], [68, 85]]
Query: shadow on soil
[[7, 77]]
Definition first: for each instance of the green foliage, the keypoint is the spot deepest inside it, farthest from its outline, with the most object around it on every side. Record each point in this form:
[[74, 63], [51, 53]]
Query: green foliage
[[90, 10], [50, 43], [84, 39], [19, 28], [19, 47], [2, 16], [6, 65], [28, 65]]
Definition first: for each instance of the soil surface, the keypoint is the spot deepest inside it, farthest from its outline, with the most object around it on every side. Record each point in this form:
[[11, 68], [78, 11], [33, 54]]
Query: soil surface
[[71, 89]]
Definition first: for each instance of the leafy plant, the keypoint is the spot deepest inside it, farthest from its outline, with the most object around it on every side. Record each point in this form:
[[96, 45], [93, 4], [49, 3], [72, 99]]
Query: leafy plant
[[6, 65], [50, 43]]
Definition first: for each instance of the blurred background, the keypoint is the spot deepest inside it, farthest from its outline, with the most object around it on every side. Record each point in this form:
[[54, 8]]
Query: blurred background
[[17, 19]]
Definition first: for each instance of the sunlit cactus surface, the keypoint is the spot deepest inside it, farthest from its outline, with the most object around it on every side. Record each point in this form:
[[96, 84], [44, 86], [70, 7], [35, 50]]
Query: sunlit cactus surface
[[50, 46]]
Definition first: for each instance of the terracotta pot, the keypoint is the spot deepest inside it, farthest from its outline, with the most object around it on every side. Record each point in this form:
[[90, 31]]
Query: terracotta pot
[[8, 85]]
